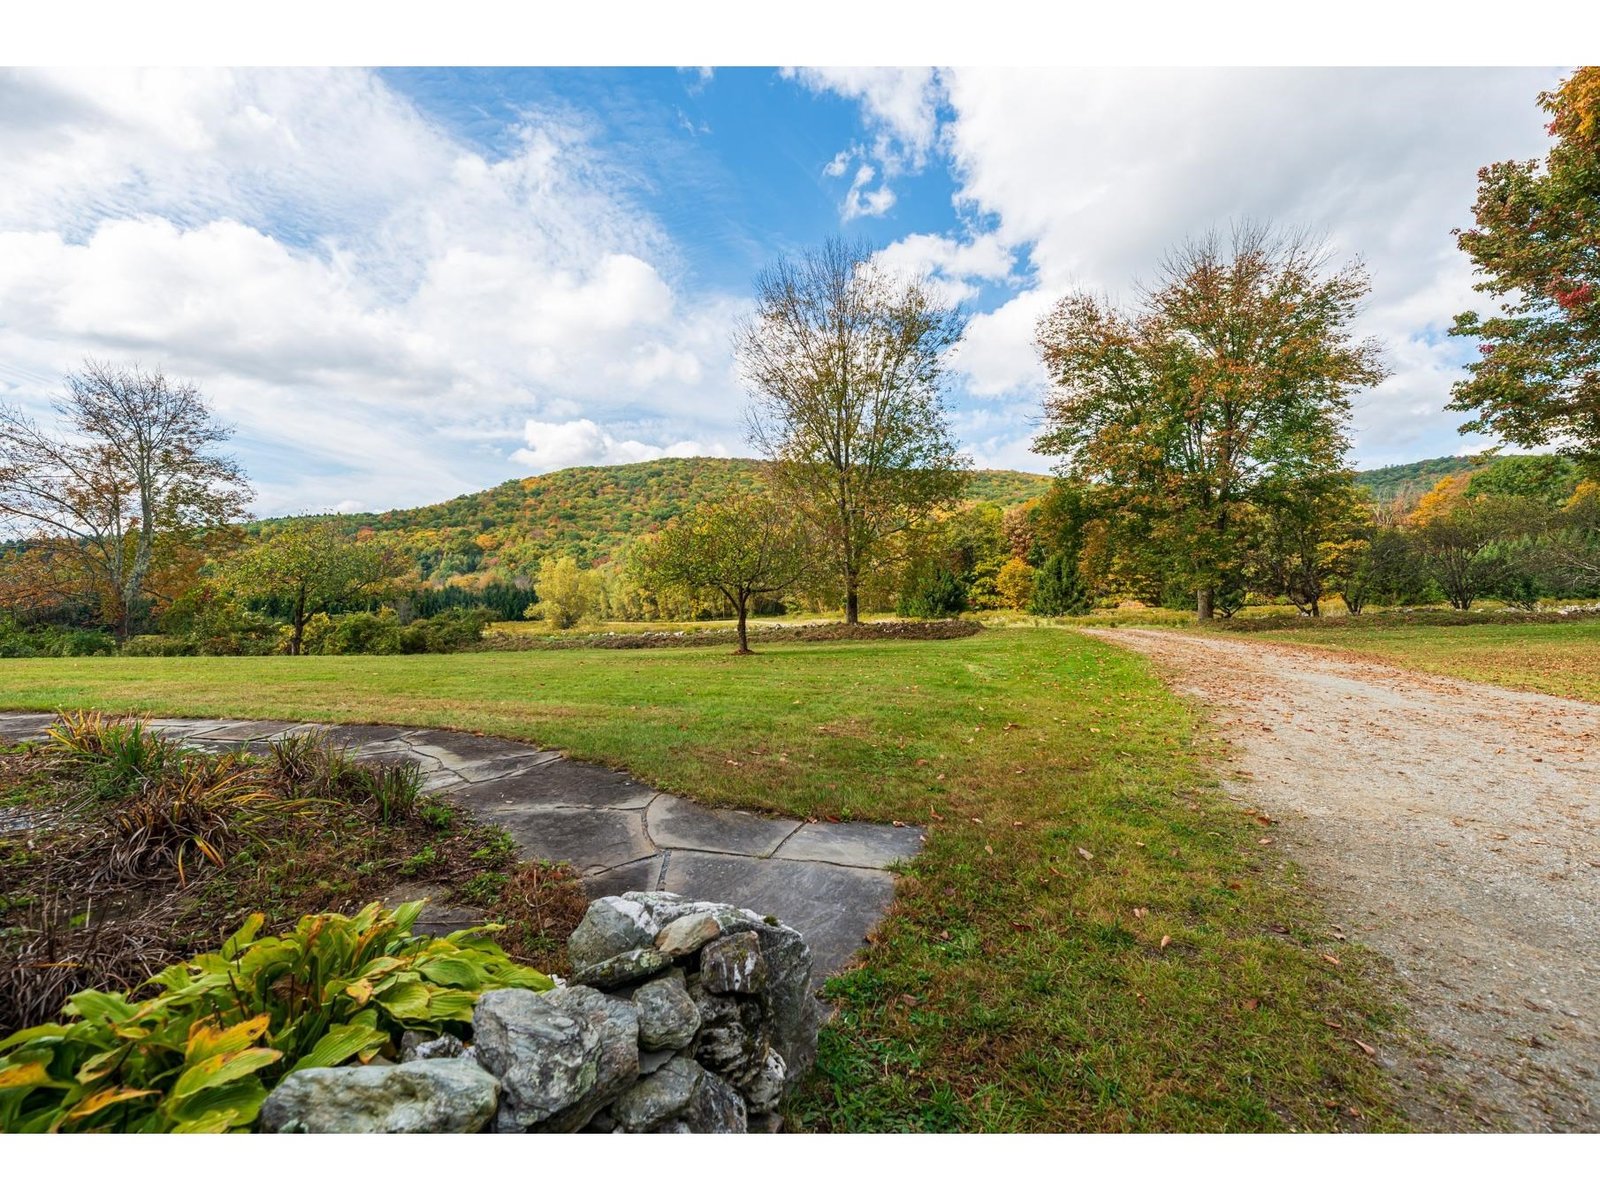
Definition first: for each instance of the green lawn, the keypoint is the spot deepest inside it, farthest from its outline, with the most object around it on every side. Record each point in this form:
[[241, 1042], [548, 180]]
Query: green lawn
[[1093, 938], [1561, 659]]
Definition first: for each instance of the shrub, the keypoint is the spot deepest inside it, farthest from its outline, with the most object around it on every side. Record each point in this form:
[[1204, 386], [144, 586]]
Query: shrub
[[1057, 589], [208, 1037], [1014, 584], [158, 645], [445, 632], [50, 641], [932, 593]]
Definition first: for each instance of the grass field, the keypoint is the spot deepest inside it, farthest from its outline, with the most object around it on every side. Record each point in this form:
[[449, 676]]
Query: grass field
[[1561, 659], [1094, 938]]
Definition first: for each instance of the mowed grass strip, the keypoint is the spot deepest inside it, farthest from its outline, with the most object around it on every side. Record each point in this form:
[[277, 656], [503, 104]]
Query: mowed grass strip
[[1558, 659], [1093, 939]]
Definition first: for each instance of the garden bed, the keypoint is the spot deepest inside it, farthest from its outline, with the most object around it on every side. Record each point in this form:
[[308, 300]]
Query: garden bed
[[123, 852]]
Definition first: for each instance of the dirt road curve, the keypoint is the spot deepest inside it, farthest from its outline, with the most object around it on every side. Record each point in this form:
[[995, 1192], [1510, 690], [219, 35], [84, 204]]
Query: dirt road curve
[[1454, 827]]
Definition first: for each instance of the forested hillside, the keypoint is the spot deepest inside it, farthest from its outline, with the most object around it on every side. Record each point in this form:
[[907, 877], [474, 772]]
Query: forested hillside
[[587, 512], [1414, 478]]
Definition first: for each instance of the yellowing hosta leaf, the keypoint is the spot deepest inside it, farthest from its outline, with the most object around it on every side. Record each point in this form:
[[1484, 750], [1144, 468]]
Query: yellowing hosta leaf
[[27, 1074], [105, 1099], [223, 1068], [360, 991], [205, 1039], [340, 1044]]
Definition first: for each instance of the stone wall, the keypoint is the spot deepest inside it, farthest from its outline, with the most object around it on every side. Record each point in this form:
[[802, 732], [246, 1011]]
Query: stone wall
[[682, 1016]]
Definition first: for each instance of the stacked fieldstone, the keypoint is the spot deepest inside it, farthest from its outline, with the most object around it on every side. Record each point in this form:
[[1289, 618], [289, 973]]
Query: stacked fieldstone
[[682, 1016]]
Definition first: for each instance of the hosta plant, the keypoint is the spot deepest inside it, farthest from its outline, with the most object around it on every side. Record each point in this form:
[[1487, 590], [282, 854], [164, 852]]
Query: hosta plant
[[198, 1048]]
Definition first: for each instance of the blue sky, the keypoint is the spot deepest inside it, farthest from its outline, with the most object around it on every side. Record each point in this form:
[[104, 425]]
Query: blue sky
[[402, 285]]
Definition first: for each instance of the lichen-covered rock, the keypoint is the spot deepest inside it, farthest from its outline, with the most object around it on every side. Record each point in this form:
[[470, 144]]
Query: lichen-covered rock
[[765, 1087], [415, 1046], [734, 964], [715, 1108], [658, 1097], [682, 1097], [623, 968], [688, 933], [735, 1033], [560, 1056], [613, 925], [447, 1095], [668, 1016], [794, 1014]]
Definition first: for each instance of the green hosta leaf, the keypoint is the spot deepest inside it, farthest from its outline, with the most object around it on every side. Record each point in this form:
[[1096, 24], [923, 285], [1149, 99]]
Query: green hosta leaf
[[37, 1035], [223, 1068], [407, 1001], [455, 971], [109, 1007], [341, 1043], [217, 1110], [452, 1005], [246, 935]]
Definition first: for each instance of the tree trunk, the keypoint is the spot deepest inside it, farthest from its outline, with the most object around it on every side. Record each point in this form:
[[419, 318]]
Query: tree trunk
[[1205, 604], [744, 641], [296, 641], [852, 601]]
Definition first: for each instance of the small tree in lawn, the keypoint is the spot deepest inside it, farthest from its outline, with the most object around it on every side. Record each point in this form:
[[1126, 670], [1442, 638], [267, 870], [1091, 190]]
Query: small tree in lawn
[[1057, 590], [308, 567], [1015, 583], [743, 547], [845, 363]]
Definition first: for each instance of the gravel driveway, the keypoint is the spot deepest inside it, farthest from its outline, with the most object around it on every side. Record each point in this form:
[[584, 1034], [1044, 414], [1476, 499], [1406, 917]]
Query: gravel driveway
[[1452, 826]]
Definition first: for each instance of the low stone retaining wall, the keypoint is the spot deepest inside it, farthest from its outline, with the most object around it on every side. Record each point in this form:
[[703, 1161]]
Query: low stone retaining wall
[[682, 1016]]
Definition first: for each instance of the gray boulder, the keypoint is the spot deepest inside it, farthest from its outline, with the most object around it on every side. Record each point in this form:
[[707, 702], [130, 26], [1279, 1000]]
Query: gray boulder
[[668, 1016], [688, 933], [613, 925], [735, 1033], [414, 1046], [622, 968], [734, 964], [715, 1108], [658, 1097], [764, 1089], [560, 1056], [682, 1097], [447, 1095]]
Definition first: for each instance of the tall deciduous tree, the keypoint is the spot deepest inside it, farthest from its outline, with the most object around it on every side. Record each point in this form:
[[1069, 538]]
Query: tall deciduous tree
[[1536, 245], [1235, 371], [307, 566], [134, 458], [845, 363], [743, 547]]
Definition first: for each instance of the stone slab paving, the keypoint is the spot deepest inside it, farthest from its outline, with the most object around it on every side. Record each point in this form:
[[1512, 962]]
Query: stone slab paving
[[830, 881]]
